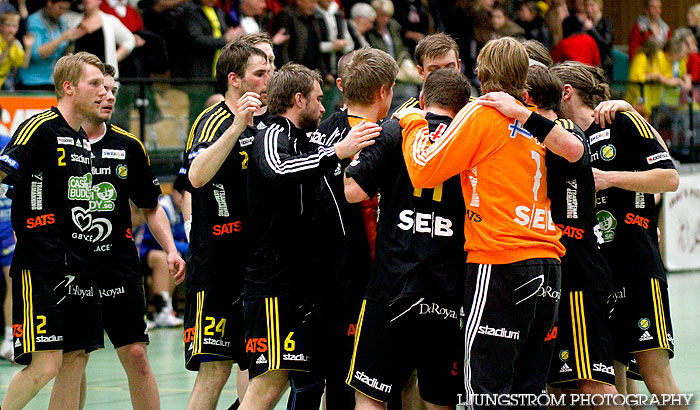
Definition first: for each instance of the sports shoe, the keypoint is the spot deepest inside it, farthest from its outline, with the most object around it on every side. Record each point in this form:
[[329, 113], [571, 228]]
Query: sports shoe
[[7, 352], [167, 318]]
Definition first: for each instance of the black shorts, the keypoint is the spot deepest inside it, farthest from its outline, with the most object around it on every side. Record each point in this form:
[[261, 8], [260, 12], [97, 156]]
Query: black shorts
[[394, 339], [633, 371], [54, 310], [214, 327], [123, 310], [584, 345], [278, 333], [511, 312], [642, 319]]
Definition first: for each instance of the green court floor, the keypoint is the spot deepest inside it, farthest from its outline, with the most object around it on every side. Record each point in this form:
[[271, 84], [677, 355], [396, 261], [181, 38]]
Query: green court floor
[[107, 383]]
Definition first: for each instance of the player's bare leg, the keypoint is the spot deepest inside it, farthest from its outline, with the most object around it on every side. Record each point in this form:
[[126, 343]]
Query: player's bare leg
[[211, 378], [65, 393], [142, 382], [655, 367], [27, 383], [264, 390]]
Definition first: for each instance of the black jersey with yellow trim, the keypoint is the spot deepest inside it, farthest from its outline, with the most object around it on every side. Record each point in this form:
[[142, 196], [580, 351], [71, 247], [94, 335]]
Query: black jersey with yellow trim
[[220, 230], [338, 225], [121, 172], [571, 189], [420, 240], [627, 219], [48, 164]]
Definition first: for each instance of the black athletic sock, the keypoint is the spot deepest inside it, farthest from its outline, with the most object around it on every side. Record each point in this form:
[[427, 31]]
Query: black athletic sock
[[158, 302], [236, 404]]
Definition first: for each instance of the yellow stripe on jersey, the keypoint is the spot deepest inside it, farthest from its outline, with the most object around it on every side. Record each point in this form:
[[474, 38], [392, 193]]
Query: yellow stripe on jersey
[[207, 125], [418, 192], [358, 328], [23, 132], [411, 102], [277, 333], [437, 193], [640, 123], [659, 314], [216, 126], [269, 315], [28, 329], [197, 349], [134, 137], [29, 130], [190, 138], [578, 325]]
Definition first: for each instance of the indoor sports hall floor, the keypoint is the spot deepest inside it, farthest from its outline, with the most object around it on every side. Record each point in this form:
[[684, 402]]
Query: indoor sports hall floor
[[108, 388]]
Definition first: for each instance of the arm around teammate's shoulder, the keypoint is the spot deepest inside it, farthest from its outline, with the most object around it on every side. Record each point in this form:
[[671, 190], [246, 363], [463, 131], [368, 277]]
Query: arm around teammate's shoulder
[[652, 181]]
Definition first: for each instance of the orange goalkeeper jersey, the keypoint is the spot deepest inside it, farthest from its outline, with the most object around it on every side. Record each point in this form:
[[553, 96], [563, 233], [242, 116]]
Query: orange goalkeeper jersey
[[504, 182]]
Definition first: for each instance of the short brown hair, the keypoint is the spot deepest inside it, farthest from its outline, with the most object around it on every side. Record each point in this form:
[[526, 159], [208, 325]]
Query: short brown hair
[[538, 52], [364, 74], [255, 38], [502, 66], [435, 45], [70, 68], [110, 70], [234, 58], [587, 80], [284, 84], [446, 88], [544, 88]]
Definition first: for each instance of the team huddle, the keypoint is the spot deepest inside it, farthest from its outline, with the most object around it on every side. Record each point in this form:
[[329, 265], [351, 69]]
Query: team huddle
[[461, 247]]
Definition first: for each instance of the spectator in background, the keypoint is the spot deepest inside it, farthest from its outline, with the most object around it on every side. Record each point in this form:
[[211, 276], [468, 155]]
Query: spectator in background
[[662, 73], [251, 14], [553, 20], [304, 29], [576, 45], [648, 25], [532, 23], [362, 17], [502, 25], [51, 36], [601, 29], [205, 33], [693, 61], [12, 54], [386, 34], [414, 17], [156, 260], [335, 37], [102, 34], [693, 19]]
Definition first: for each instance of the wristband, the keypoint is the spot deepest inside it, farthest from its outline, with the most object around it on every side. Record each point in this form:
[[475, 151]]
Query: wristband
[[188, 228], [539, 126]]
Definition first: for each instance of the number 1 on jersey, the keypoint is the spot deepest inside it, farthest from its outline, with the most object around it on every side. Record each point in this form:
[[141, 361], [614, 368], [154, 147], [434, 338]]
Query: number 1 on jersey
[[538, 175]]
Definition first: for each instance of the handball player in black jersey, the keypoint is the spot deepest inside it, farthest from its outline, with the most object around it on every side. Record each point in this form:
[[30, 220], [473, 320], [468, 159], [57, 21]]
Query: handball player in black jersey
[[121, 173], [629, 166], [415, 288], [216, 165], [56, 315]]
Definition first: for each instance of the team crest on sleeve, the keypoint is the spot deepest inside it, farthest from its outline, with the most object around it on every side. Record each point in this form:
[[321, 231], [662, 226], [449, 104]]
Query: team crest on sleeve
[[122, 171], [608, 152]]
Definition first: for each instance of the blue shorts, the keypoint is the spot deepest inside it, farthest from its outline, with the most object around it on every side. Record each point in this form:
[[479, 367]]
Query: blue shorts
[[7, 249]]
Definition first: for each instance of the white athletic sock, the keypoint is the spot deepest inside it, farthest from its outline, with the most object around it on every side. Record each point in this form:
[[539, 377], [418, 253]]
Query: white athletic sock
[[166, 298], [8, 333]]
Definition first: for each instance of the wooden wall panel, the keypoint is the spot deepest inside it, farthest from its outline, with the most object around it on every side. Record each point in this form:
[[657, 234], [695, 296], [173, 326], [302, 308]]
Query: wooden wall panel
[[623, 14]]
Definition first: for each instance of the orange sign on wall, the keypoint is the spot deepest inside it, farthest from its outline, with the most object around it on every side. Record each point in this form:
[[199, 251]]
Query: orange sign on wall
[[16, 108]]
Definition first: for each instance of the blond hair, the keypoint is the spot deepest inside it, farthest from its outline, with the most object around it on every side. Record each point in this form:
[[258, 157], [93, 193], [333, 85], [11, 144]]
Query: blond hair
[[365, 73], [70, 68], [587, 80], [502, 66]]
